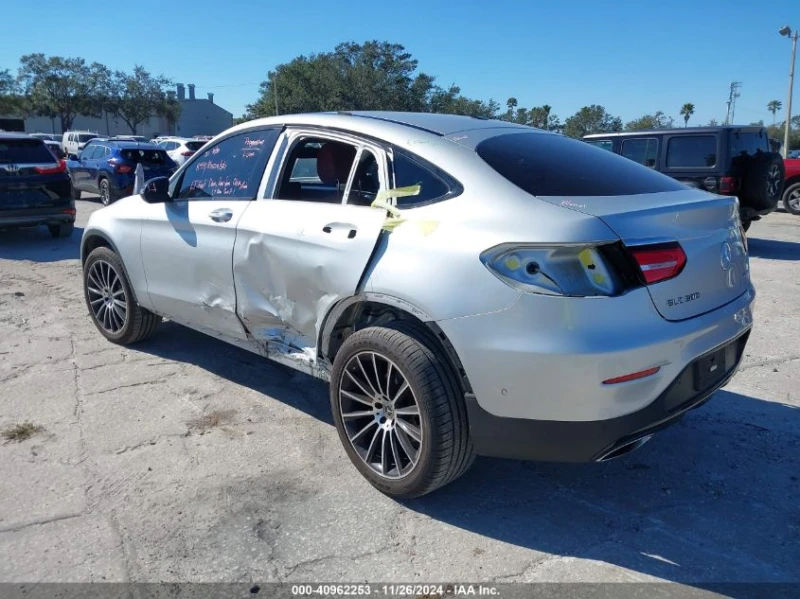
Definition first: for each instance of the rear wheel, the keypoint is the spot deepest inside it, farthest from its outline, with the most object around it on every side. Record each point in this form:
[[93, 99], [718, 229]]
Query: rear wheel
[[791, 199], [76, 193], [110, 300], [399, 411], [61, 230], [105, 192]]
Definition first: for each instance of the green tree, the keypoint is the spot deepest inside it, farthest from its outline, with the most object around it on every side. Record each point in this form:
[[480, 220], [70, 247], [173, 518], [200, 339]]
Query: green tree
[[136, 96], [650, 121], [591, 119], [774, 106], [10, 98], [687, 110], [369, 76], [62, 88]]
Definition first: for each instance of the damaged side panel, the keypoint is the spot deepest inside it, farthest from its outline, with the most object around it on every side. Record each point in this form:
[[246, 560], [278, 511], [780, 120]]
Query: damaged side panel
[[292, 262]]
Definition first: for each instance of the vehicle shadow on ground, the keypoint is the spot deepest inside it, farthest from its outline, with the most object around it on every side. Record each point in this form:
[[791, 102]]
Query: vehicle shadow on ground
[[38, 245], [725, 477], [773, 249]]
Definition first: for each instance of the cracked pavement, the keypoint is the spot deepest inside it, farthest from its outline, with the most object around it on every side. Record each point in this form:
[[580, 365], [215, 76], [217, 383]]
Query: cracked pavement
[[184, 459]]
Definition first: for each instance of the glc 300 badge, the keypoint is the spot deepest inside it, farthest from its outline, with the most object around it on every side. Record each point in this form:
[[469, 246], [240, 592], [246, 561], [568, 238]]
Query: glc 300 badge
[[683, 299]]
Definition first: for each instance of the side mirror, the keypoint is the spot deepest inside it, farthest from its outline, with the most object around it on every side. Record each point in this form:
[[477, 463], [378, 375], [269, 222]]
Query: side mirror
[[156, 191]]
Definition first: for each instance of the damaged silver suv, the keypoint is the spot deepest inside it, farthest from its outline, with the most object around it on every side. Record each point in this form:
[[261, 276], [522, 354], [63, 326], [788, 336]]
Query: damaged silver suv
[[468, 287]]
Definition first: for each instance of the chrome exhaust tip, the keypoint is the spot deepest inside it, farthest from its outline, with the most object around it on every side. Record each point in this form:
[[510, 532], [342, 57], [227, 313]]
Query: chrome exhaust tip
[[624, 449]]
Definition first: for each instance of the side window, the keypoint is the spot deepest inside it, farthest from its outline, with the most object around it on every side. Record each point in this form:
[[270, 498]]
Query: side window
[[366, 181], [408, 171], [644, 151], [87, 153], [231, 169], [170, 145], [605, 144], [693, 151], [316, 170]]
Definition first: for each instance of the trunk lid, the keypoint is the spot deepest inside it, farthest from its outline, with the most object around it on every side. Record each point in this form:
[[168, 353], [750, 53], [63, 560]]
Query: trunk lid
[[706, 226]]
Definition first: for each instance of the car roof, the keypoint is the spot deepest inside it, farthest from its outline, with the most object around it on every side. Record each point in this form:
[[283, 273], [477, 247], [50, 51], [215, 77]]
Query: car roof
[[15, 135], [125, 145], [674, 131]]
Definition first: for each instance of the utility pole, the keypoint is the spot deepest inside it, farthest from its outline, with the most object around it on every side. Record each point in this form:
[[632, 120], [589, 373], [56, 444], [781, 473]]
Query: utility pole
[[275, 89], [787, 32], [734, 93]]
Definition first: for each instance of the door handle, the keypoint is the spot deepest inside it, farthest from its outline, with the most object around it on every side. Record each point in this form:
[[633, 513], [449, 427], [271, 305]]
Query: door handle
[[350, 228], [221, 215]]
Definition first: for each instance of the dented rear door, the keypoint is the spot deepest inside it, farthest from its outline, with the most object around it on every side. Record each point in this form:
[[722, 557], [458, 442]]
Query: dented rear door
[[293, 260]]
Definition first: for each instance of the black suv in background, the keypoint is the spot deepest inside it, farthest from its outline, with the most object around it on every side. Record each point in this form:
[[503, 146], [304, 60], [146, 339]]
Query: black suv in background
[[727, 160], [34, 186]]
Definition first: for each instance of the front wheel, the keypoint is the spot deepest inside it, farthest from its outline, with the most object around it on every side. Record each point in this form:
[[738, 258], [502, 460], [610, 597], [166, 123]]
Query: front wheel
[[110, 300], [791, 199], [398, 410]]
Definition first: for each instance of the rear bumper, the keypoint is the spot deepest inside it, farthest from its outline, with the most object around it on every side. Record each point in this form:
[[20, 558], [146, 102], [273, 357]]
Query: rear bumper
[[588, 441], [32, 217]]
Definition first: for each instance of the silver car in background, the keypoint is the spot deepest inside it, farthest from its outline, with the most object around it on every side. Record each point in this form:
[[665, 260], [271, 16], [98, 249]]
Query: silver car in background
[[468, 287]]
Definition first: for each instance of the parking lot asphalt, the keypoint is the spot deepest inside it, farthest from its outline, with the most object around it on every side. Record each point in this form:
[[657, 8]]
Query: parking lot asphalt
[[185, 459]]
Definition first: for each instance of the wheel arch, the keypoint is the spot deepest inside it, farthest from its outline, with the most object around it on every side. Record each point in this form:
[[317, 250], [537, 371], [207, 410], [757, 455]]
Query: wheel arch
[[95, 238], [789, 182], [372, 309]]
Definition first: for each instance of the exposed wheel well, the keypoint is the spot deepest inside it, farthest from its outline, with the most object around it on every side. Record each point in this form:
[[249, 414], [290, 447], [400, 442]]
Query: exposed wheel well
[[365, 313], [91, 243], [791, 181]]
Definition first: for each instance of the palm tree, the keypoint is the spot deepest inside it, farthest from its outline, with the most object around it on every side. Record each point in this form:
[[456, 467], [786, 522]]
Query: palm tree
[[774, 107], [687, 110]]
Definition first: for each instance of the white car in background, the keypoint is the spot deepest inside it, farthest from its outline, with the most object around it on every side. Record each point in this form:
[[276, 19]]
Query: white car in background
[[180, 149]]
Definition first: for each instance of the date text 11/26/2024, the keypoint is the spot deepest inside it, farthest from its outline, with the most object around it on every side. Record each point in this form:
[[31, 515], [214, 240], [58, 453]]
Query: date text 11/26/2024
[[394, 590]]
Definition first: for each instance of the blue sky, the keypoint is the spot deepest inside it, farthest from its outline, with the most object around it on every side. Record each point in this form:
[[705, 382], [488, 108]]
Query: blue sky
[[634, 58]]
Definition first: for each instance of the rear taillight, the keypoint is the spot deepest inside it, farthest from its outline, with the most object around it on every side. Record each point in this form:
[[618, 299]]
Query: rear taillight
[[61, 167], [632, 377], [659, 262], [120, 167], [187, 153], [728, 185]]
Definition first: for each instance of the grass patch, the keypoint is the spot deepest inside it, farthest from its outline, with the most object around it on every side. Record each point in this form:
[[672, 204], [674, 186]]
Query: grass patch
[[212, 420], [21, 432]]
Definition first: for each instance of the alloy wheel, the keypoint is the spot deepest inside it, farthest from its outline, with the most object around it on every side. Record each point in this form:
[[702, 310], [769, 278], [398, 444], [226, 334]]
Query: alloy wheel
[[773, 181], [381, 414], [793, 200], [107, 296], [105, 193]]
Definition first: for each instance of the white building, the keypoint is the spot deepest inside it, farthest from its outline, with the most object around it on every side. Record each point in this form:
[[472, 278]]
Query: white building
[[198, 117]]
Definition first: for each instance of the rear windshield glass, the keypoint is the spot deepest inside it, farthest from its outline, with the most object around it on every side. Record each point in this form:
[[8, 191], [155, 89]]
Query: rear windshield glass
[[195, 145], [692, 151], [748, 143], [145, 156], [83, 137], [21, 151], [546, 164]]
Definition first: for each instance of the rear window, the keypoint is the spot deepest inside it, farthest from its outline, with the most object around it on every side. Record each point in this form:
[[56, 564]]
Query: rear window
[[195, 145], [22, 151], [693, 151], [644, 150], [146, 156], [545, 164], [605, 144], [748, 143]]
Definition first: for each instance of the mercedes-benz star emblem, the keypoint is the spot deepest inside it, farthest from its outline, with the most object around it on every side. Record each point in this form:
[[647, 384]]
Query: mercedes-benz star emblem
[[726, 256]]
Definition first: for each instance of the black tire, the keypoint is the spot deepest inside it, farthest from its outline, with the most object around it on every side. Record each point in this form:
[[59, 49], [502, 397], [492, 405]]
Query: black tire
[[104, 188], [139, 324], [445, 451], [76, 193], [61, 230], [763, 181], [792, 204]]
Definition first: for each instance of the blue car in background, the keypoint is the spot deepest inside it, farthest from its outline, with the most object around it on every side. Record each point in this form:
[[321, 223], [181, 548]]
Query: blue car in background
[[108, 167]]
